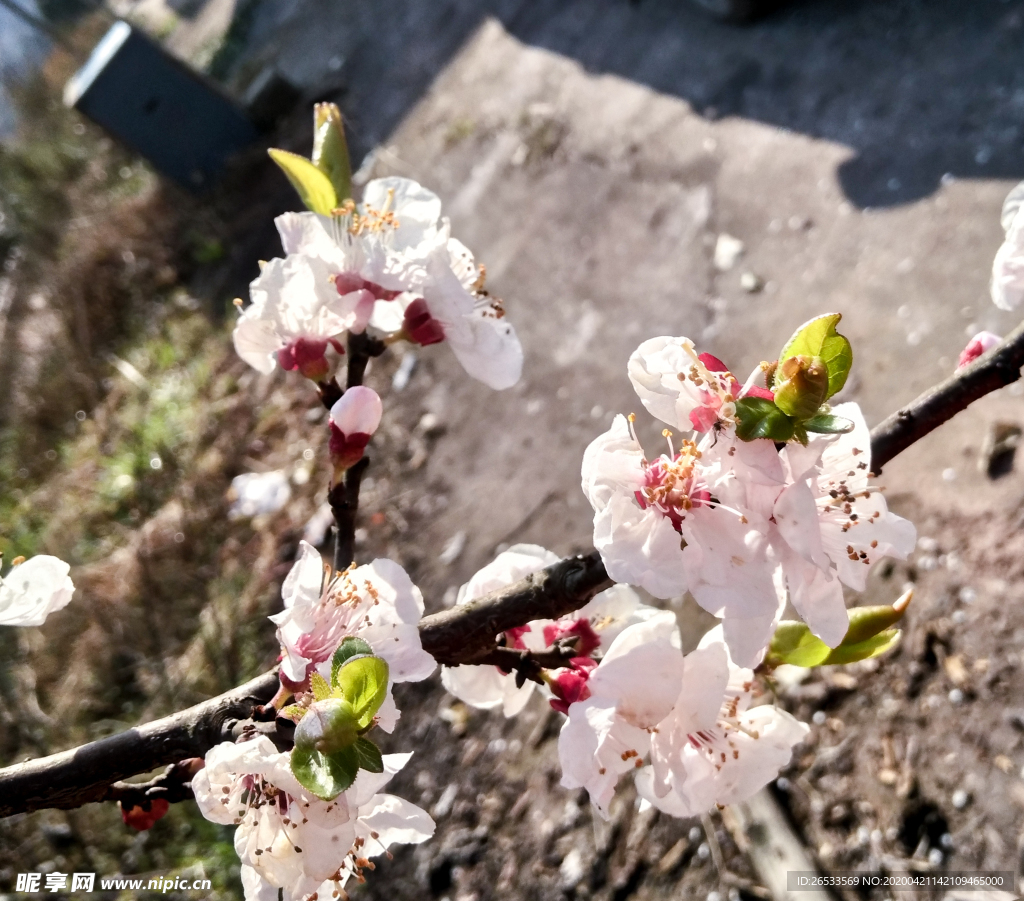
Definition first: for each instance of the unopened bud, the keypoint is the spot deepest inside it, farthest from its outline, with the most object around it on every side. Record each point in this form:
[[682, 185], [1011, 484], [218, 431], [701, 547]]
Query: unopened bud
[[330, 150], [354, 419], [419, 326], [801, 386], [141, 817], [979, 344], [329, 726], [305, 355], [570, 685]]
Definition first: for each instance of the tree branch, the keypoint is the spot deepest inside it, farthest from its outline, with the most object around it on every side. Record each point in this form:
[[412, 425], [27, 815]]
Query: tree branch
[[466, 633], [990, 372], [81, 775], [461, 635]]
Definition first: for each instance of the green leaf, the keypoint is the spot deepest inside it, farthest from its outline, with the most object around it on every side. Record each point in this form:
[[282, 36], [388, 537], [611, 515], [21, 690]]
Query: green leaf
[[827, 424], [318, 685], [326, 776], [863, 650], [758, 417], [870, 634], [868, 621], [364, 683], [819, 338], [369, 756], [315, 188], [330, 150], [349, 648], [795, 644]]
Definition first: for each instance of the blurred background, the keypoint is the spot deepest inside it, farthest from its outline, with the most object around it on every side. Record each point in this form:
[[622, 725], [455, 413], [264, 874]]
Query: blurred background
[[625, 170]]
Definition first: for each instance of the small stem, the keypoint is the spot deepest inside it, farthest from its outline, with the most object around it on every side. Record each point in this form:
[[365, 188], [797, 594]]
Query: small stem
[[344, 501], [330, 392], [716, 849], [344, 497], [360, 349]]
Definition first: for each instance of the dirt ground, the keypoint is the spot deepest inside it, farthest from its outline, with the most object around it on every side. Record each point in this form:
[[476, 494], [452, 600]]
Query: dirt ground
[[591, 153]]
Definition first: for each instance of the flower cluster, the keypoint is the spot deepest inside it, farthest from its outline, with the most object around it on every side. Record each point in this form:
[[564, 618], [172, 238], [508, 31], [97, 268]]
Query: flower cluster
[[763, 502], [388, 264], [287, 838], [684, 724], [740, 524], [633, 702], [310, 819], [376, 602]]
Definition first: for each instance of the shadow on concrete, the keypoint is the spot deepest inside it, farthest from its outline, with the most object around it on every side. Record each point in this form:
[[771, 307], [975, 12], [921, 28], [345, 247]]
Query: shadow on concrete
[[917, 88]]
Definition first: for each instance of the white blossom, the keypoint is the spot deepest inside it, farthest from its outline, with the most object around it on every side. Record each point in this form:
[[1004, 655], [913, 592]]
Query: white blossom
[[714, 747], [296, 311], [689, 521], [632, 689], [685, 389], [336, 269], [452, 305], [1007, 286], [289, 839], [594, 627], [34, 589], [829, 526], [376, 602]]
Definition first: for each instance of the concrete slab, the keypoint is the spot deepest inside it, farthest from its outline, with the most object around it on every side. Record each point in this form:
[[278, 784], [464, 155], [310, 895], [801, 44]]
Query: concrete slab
[[591, 153]]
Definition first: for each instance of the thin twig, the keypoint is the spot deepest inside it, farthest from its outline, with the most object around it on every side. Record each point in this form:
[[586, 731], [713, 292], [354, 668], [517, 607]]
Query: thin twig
[[344, 501], [361, 348]]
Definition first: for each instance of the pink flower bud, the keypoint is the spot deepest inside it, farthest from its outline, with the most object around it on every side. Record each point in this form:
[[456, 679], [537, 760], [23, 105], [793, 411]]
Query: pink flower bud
[[420, 326], [354, 418], [979, 344], [140, 818], [570, 684], [305, 355], [587, 640]]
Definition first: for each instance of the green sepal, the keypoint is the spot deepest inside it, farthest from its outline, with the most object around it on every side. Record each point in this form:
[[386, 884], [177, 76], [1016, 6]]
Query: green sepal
[[349, 648], [330, 150], [819, 338], [315, 189], [293, 712], [318, 685], [757, 417], [364, 684], [325, 775], [369, 755], [827, 424]]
